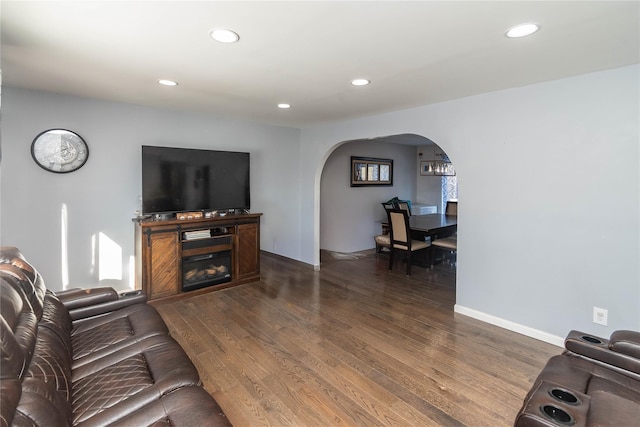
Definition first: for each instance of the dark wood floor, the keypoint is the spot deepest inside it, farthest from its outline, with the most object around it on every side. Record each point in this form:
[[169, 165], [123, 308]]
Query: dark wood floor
[[353, 344]]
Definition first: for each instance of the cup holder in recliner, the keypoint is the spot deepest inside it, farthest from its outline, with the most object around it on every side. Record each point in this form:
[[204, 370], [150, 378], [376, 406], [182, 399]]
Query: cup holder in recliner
[[564, 396], [558, 415], [592, 340], [130, 294]]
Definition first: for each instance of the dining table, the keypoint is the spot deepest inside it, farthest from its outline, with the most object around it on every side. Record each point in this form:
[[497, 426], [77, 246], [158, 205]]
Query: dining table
[[428, 227], [431, 225]]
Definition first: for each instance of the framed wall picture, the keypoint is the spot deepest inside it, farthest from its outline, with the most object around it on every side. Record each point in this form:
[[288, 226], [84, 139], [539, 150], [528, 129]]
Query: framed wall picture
[[369, 171]]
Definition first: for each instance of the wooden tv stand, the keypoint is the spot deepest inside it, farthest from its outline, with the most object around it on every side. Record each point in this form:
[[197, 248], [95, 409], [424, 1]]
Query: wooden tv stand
[[183, 257]]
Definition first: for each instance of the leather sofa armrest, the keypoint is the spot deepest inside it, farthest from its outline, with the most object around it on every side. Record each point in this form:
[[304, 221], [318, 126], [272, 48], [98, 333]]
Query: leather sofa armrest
[[77, 297], [122, 300], [618, 353], [626, 342]]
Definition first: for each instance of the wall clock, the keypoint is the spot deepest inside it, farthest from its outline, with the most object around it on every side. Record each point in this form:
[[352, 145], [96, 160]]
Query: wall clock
[[59, 150]]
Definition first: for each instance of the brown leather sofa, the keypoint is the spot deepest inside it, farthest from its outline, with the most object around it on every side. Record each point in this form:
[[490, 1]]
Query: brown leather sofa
[[595, 382], [90, 357]]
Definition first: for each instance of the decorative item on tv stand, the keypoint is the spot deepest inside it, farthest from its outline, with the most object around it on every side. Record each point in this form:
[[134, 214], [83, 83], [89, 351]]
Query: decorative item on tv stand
[[213, 214], [208, 214], [189, 215]]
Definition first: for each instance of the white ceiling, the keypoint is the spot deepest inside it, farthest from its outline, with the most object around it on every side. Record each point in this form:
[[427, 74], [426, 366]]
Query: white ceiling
[[306, 53]]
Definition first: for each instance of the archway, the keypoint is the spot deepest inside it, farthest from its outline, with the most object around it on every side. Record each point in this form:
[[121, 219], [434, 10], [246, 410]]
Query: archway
[[349, 217]]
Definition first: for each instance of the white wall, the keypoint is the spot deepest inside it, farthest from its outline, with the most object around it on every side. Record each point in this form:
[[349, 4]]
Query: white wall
[[102, 196], [552, 232], [359, 209]]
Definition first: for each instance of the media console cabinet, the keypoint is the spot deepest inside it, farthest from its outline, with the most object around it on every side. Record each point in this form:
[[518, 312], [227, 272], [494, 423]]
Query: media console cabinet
[[176, 257]]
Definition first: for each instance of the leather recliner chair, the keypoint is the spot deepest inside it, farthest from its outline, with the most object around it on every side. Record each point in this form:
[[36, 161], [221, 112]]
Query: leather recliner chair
[[595, 382]]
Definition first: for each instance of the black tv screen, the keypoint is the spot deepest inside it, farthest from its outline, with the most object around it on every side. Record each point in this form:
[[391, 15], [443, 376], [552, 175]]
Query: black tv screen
[[184, 179]]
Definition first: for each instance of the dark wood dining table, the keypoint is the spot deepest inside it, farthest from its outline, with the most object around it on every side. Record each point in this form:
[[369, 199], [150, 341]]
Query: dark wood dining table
[[433, 226]]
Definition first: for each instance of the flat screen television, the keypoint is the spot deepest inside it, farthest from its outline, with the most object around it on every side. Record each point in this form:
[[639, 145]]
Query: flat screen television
[[185, 180]]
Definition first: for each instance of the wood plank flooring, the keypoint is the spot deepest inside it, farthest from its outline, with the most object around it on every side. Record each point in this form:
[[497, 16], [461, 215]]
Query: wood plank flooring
[[355, 345]]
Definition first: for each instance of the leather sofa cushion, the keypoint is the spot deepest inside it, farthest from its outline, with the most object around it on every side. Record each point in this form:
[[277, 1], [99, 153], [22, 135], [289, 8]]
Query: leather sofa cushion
[[187, 406], [582, 376], [12, 256], [121, 382], [40, 405], [34, 292], [10, 391], [609, 409], [93, 338], [56, 318], [17, 332], [51, 362], [18, 279], [626, 342], [599, 408]]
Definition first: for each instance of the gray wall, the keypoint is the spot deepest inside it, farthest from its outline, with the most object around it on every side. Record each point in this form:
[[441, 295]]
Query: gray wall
[[101, 197], [358, 209], [555, 229], [551, 233]]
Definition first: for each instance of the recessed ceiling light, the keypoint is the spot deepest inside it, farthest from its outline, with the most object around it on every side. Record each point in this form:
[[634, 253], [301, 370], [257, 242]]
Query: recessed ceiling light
[[360, 82], [284, 106], [224, 36], [165, 82], [522, 30]]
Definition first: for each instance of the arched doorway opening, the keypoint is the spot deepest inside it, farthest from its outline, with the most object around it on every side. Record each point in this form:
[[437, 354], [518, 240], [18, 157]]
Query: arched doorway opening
[[351, 216]]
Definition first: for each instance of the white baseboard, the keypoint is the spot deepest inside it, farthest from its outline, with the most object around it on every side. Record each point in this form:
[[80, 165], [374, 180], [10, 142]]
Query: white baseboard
[[511, 326]]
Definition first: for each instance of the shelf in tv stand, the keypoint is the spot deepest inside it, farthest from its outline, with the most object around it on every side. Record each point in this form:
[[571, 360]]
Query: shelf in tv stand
[[208, 245]]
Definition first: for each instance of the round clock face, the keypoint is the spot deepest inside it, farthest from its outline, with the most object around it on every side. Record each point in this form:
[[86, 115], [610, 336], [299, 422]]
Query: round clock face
[[59, 150]]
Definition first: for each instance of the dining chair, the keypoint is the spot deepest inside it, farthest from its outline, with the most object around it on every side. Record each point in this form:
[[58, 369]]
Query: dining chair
[[449, 245], [389, 205], [401, 240], [384, 240], [405, 207], [452, 208]]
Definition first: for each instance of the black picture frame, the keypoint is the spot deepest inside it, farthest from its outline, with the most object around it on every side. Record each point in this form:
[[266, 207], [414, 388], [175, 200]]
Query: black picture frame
[[370, 172]]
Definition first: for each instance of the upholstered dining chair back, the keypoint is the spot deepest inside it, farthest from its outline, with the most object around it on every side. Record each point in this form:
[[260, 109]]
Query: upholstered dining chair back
[[452, 208], [384, 240], [401, 238], [388, 205], [399, 221], [405, 207]]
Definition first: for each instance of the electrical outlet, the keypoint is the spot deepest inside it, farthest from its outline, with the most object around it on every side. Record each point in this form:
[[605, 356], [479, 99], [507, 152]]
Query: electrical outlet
[[600, 316]]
